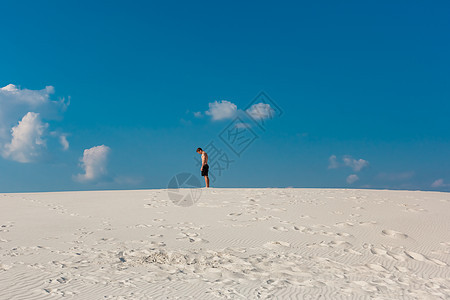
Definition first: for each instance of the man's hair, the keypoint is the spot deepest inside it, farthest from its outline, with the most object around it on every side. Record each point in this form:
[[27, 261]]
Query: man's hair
[[199, 149]]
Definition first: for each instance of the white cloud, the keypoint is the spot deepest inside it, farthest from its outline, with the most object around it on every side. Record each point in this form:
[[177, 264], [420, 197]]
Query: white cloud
[[439, 183], [221, 110], [356, 164], [333, 164], [9, 88], [242, 125], [94, 163], [352, 178], [32, 97], [347, 161], [62, 138], [64, 142], [26, 143], [16, 103], [261, 111]]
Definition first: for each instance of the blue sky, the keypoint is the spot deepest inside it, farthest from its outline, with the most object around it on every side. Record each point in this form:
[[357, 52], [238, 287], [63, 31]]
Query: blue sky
[[135, 87]]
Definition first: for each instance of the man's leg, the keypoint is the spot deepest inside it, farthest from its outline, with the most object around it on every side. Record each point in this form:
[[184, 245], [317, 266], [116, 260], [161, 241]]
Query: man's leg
[[207, 181]]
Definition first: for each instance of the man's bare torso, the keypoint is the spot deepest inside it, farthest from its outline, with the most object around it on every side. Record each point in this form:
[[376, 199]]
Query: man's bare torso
[[204, 158]]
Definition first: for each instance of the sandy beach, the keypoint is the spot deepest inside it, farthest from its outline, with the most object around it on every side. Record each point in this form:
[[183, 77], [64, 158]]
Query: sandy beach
[[230, 244]]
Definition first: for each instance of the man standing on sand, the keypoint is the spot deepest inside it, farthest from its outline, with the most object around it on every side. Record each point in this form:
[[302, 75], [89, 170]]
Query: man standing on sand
[[205, 167]]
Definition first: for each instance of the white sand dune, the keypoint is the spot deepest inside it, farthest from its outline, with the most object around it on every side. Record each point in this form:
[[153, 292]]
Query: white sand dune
[[231, 244]]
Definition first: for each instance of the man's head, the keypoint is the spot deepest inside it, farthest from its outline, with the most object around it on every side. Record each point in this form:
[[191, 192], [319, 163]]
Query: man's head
[[199, 150]]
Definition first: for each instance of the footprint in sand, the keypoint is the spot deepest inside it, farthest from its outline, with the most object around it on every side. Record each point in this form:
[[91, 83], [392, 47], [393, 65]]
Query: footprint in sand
[[299, 227], [234, 214], [415, 256], [348, 250], [276, 245], [5, 267], [344, 234], [278, 209], [4, 227], [437, 261], [192, 237], [415, 210], [387, 253], [280, 228], [321, 226], [286, 222], [376, 267], [367, 223], [140, 226], [157, 244], [339, 244], [394, 234], [155, 236], [58, 292], [344, 224], [421, 257], [165, 227], [332, 244]]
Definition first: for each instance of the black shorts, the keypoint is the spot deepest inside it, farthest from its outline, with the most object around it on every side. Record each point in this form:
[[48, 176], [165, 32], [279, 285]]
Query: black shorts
[[205, 170]]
